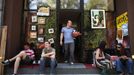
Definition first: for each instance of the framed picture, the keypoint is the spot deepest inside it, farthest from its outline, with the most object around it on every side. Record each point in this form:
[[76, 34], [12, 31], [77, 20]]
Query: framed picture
[[51, 30], [41, 20], [33, 28], [33, 34], [40, 39], [43, 11], [34, 18], [40, 30], [98, 18], [51, 40]]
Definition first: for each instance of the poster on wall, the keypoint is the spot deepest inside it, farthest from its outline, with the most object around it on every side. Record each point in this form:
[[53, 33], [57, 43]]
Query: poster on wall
[[43, 11], [98, 18], [122, 29]]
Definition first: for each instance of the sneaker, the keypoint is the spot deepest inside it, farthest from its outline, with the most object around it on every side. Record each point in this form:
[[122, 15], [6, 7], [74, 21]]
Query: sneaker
[[14, 74], [38, 61], [6, 62], [34, 62], [65, 61], [71, 63]]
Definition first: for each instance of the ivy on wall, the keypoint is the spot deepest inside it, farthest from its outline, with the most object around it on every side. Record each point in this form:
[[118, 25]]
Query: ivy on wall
[[92, 36], [50, 23]]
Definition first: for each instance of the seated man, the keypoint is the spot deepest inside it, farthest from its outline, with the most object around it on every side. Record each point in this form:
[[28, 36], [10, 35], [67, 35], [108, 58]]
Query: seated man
[[48, 53], [27, 55], [124, 62]]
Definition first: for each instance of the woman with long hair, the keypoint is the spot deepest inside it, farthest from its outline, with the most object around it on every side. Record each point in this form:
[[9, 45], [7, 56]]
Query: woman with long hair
[[101, 58]]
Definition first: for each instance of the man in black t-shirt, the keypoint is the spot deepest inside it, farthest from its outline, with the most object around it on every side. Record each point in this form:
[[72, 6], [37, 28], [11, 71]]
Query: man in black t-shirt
[[124, 62]]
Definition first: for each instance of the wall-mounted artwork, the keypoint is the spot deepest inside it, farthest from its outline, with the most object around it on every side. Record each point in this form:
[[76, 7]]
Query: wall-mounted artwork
[[34, 18], [51, 30], [40, 39], [43, 11], [51, 40], [33, 34], [98, 18], [33, 27], [40, 30], [41, 20]]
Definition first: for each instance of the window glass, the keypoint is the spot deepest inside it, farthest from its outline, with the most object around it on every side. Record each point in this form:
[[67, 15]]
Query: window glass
[[34, 3], [107, 5], [69, 4], [0, 17], [0, 4]]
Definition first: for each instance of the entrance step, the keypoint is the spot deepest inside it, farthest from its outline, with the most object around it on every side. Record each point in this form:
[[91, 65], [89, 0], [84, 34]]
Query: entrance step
[[62, 69]]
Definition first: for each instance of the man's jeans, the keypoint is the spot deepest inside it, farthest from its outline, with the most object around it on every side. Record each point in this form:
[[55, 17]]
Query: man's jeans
[[52, 64], [69, 51], [120, 67]]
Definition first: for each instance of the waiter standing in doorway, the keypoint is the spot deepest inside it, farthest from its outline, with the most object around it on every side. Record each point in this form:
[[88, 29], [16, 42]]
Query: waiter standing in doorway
[[69, 45]]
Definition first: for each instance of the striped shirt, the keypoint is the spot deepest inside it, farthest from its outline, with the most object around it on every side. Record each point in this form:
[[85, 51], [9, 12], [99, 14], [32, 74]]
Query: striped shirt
[[30, 53]]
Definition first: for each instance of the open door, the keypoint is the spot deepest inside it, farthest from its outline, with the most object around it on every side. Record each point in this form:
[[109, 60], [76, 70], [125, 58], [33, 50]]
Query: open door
[[75, 17]]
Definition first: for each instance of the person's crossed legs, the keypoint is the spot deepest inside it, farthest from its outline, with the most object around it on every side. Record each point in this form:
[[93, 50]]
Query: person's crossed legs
[[17, 58]]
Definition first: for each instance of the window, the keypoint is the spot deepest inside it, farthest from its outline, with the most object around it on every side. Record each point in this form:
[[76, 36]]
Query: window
[[69, 4], [1, 4], [107, 5], [0, 17], [1, 11], [32, 4]]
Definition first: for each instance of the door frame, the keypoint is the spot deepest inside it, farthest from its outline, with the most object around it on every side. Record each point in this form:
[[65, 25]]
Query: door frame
[[81, 22]]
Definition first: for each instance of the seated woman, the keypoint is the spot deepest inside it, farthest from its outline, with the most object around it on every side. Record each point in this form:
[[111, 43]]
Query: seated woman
[[27, 55], [48, 53], [100, 56], [124, 62]]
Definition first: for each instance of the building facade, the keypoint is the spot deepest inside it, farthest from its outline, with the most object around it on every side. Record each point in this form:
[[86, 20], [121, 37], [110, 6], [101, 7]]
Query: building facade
[[20, 17]]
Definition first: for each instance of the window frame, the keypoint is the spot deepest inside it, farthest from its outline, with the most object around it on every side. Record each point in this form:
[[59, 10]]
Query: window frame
[[2, 12]]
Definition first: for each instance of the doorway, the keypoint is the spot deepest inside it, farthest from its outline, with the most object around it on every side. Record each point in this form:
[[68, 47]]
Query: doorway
[[75, 16]]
